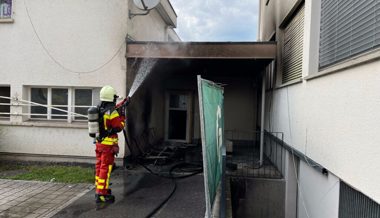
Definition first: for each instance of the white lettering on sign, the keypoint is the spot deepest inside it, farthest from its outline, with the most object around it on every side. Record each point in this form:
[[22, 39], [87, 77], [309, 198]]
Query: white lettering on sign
[[219, 136]]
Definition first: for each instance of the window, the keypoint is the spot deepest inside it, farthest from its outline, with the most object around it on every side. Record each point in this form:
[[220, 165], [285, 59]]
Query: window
[[39, 96], [4, 102], [63, 102], [82, 100], [293, 47], [178, 116], [5, 9], [348, 28]]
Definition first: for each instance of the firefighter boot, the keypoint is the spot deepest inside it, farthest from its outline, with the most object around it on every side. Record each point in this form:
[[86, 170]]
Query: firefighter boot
[[109, 192], [105, 199]]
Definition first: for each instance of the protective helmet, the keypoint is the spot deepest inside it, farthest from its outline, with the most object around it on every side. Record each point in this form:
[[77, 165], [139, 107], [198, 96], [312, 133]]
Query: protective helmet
[[107, 93]]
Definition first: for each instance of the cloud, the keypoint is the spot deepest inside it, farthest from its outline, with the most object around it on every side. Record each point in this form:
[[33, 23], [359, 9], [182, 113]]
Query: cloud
[[216, 20]]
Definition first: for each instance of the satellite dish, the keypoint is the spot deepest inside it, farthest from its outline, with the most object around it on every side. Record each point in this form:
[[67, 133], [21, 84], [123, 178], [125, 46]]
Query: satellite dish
[[146, 4]]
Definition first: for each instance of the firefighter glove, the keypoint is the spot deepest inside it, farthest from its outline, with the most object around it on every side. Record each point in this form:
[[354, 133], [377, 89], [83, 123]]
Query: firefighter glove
[[121, 111]]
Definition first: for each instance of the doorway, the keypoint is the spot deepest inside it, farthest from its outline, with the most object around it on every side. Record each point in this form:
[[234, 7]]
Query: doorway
[[178, 116]]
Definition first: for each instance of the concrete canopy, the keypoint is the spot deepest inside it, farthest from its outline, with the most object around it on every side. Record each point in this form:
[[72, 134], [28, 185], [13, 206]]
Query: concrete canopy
[[225, 58], [202, 50]]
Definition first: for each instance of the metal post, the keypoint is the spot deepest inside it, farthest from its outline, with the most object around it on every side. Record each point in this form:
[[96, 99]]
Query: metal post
[[262, 120]]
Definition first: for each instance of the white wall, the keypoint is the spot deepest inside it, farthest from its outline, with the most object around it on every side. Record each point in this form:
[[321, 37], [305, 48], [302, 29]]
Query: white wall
[[79, 43], [318, 195], [151, 27], [80, 36], [333, 119], [291, 186]]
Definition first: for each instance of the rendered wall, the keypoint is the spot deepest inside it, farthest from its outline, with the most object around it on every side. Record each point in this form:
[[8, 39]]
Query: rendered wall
[[319, 194], [87, 41], [150, 27], [333, 119]]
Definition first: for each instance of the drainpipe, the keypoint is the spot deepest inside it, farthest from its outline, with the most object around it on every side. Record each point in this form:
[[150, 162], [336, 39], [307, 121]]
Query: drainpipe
[[262, 120]]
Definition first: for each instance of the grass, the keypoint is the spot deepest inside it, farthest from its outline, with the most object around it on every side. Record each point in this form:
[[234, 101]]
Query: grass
[[56, 173]]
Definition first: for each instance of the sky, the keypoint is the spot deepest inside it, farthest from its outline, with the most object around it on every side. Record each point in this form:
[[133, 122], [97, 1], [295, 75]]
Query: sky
[[216, 20]]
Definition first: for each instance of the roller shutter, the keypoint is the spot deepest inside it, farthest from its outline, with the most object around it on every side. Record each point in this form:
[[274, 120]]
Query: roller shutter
[[293, 47], [348, 28]]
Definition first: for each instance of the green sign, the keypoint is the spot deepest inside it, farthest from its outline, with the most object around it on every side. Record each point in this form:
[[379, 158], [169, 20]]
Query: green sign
[[212, 129]]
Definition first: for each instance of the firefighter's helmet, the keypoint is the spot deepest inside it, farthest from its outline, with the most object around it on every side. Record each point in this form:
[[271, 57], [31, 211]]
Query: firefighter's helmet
[[108, 93]]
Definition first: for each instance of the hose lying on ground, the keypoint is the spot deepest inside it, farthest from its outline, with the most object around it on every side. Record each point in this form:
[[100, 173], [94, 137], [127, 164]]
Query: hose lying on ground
[[192, 172]]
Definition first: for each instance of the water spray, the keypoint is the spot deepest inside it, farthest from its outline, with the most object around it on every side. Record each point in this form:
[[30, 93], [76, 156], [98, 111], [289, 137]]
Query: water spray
[[144, 70]]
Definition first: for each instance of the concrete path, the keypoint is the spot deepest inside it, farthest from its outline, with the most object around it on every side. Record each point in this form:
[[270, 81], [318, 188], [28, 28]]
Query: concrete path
[[37, 199]]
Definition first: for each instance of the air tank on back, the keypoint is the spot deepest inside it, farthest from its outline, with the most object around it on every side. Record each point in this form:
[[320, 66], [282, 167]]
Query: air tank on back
[[93, 121]]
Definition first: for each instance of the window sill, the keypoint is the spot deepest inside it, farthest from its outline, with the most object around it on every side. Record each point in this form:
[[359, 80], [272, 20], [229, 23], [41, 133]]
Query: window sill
[[7, 20], [349, 63], [53, 124], [296, 81]]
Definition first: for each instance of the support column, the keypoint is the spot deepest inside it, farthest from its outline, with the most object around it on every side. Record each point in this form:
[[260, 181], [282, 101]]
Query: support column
[[262, 120]]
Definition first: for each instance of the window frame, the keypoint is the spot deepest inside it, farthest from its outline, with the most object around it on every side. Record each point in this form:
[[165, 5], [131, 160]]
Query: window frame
[[69, 117], [343, 62], [73, 103], [10, 18], [4, 116], [294, 19]]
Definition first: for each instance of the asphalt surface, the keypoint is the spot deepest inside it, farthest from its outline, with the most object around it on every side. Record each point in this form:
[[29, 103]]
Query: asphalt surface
[[138, 193]]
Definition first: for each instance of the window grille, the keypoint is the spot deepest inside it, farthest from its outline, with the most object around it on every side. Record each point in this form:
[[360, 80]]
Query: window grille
[[353, 204], [348, 28]]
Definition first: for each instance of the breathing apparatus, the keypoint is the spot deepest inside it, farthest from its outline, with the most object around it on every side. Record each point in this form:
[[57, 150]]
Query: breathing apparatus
[[95, 115]]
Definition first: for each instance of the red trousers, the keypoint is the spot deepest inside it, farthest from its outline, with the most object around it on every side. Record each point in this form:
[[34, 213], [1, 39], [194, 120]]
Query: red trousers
[[103, 167]]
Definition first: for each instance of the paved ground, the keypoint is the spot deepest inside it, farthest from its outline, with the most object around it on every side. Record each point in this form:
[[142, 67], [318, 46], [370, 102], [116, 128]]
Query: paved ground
[[37, 199], [137, 194]]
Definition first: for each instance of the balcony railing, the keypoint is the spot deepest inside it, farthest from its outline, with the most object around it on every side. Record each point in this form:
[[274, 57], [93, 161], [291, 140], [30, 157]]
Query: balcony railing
[[243, 154]]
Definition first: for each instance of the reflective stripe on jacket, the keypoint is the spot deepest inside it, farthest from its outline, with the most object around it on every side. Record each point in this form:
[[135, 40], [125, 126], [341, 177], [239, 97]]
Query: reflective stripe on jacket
[[115, 122]]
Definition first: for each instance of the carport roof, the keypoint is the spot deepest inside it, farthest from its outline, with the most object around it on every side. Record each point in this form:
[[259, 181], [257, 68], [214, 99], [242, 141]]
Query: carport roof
[[202, 50]]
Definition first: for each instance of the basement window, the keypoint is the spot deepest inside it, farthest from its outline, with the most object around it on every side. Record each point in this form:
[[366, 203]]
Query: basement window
[[5, 9], [5, 107], [353, 203], [61, 103]]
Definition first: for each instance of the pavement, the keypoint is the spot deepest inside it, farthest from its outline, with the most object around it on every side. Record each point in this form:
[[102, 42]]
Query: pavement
[[31, 199], [137, 194]]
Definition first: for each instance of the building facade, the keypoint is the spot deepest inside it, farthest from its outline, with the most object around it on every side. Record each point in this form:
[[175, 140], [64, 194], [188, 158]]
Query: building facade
[[323, 94], [60, 54]]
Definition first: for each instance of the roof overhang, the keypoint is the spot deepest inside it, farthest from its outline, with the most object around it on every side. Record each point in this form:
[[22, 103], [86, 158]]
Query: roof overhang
[[202, 50]]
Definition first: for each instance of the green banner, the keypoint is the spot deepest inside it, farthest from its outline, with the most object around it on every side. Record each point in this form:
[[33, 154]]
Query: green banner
[[212, 129]]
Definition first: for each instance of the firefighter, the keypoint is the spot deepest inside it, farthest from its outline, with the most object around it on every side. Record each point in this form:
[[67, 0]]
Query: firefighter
[[111, 121]]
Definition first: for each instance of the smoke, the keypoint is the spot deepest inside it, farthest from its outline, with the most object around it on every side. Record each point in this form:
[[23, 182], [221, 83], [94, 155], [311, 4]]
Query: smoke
[[143, 71]]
